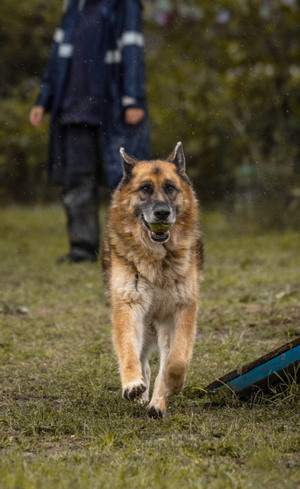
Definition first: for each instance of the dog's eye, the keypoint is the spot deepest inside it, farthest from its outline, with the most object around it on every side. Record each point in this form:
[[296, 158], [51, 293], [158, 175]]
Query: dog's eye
[[146, 189], [169, 189]]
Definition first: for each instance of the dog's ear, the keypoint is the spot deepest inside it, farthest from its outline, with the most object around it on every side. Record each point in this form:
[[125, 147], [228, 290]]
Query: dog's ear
[[127, 162], [177, 157]]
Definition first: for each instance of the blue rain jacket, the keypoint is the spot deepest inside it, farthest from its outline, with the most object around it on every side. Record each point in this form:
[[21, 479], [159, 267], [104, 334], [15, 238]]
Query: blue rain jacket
[[122, 82]]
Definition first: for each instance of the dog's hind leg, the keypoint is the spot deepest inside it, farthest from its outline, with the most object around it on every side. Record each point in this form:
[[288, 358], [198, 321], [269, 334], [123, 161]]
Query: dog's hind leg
[[149, 338], [128, 339]]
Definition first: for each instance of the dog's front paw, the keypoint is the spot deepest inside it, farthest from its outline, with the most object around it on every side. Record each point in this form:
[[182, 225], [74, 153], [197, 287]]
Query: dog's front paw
[[157, 407], [154, 412], [134, 390]]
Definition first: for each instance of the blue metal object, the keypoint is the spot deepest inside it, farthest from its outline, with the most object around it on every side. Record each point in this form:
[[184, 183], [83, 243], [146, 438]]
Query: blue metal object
[[263, 372]]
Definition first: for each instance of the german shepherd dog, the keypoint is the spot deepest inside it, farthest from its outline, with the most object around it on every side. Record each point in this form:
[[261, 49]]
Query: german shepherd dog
[[152, 264]]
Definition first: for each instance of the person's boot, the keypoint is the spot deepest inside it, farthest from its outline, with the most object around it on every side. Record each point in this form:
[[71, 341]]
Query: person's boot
[[78, 256]]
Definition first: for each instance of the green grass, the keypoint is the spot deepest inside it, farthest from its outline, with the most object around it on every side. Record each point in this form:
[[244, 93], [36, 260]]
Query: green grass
[[63, 423]]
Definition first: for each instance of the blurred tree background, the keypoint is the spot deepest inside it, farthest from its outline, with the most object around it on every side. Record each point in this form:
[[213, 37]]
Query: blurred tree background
[[223, 77]]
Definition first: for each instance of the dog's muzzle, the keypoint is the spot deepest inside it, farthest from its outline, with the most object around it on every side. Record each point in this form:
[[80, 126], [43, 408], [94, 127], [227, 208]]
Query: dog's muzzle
[[158, 219]]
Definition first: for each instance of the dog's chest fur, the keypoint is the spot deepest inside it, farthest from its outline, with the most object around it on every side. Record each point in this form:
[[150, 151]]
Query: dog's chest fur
[[159, 288]]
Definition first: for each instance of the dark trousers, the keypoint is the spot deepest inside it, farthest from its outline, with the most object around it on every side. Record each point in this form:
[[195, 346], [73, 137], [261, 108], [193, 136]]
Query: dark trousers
[[81, 145]]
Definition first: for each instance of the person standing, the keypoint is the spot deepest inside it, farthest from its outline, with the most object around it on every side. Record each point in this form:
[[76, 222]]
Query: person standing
[[94, 87]]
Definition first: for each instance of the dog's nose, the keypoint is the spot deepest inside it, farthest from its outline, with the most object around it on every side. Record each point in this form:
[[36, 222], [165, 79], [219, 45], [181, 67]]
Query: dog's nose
[[162, 214]]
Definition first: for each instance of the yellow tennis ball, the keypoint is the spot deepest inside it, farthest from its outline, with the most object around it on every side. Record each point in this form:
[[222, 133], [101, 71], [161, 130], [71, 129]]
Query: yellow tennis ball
[[159, 227]]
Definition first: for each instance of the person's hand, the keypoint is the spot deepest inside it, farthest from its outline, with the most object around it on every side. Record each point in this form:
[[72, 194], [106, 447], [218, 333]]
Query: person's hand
[[134, 116], [36, 115]]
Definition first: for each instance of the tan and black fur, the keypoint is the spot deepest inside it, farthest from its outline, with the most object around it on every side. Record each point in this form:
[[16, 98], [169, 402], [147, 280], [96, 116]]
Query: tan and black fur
[[153, 278]]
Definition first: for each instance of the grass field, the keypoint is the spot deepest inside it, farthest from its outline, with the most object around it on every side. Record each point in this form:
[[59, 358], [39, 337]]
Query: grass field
[[63, 423]]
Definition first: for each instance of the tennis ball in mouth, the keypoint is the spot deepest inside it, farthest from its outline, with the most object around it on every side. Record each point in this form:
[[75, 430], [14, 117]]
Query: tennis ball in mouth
[[159, 227]]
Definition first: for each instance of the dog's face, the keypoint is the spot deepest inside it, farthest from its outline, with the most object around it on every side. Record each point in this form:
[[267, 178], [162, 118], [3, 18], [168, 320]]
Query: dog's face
[[155, 191]]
